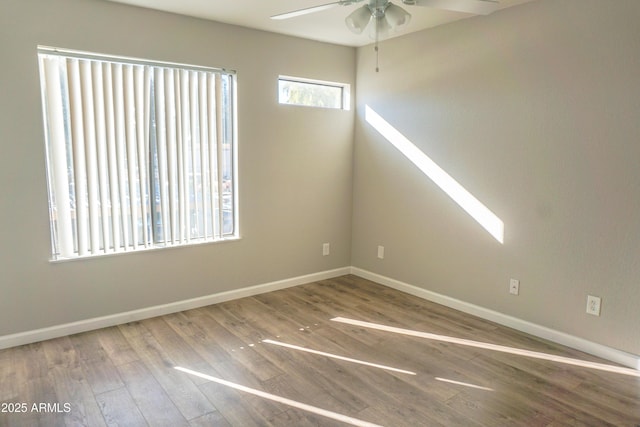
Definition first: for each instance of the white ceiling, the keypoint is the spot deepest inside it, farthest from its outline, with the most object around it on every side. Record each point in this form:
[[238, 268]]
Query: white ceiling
[[327, 25]]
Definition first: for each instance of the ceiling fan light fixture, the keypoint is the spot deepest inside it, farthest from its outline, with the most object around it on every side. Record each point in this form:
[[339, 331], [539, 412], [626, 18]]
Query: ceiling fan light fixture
[[358, 20], [380, 28], [396, 16]]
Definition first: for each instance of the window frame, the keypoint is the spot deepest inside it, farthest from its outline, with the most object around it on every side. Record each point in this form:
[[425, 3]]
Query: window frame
[[345, 98], [215, 172]]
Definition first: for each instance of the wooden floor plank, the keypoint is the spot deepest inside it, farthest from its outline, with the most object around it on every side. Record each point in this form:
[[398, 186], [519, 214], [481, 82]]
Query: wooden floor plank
[[125, 375], [116, 346], [60, 352], [240, 351], [234, 407], [153, 402], [99, 369], [183, 392], [529, 391], [33, 393], [11, 372], [119, 408], [72, 388], [211, 419]]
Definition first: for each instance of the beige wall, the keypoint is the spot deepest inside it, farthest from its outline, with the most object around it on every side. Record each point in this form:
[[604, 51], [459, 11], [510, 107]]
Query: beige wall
[[295, 165], [535, 110], [532, 109]]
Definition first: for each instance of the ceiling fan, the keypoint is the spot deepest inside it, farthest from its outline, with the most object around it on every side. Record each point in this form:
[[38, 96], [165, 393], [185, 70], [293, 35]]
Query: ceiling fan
[[387, 17]]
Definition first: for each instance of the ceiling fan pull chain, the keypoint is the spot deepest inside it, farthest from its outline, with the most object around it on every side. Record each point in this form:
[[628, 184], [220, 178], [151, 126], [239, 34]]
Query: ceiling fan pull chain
[[377, 20]]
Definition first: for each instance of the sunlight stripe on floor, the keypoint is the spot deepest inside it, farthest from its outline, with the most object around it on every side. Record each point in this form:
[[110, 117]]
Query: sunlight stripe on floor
[[493, 347], [280, 399]]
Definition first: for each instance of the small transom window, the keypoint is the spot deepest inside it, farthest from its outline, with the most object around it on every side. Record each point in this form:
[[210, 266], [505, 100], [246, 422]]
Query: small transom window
[[313, 93]]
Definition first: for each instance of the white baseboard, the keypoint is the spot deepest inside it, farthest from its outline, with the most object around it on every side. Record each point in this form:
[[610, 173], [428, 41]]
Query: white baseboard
[[28, 337], [623, 358]]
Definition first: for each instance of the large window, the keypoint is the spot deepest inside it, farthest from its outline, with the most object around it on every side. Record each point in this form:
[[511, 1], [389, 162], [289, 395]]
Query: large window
[[140, 155]]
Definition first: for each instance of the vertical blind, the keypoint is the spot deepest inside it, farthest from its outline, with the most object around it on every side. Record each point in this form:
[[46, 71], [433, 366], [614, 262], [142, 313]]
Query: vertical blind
[[138, 155]]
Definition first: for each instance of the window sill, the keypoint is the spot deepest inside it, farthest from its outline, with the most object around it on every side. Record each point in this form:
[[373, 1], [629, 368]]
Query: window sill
[[142, 250]]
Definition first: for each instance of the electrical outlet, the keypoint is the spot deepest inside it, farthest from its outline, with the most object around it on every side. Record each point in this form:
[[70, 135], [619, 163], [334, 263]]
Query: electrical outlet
[[593, 305], [381, 252], [514, 286], [325, 249]]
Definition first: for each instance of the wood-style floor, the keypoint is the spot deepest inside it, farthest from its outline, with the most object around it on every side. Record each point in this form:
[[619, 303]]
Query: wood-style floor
[[126, 375]]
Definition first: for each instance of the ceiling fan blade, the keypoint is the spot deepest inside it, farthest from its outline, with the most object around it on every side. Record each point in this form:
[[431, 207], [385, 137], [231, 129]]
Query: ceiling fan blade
[[477, 7], [306, 10]]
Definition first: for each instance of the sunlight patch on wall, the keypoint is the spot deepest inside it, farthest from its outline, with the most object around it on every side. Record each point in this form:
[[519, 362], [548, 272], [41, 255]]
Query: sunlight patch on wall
[[487, 219]]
